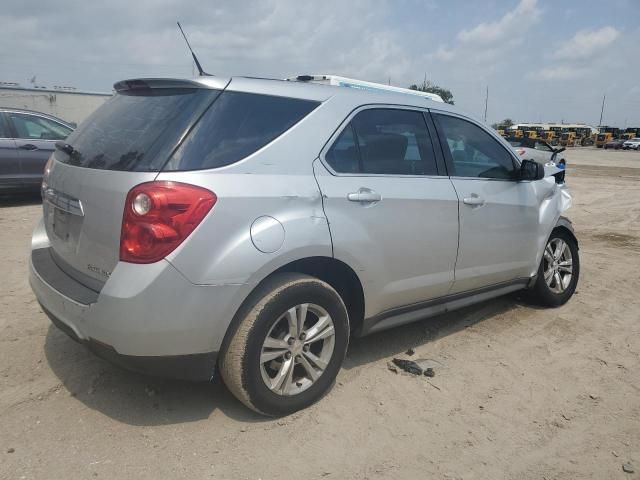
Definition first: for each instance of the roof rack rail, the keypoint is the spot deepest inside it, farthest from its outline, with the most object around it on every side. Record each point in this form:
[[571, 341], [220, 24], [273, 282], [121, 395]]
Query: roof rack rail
[[362, 85]]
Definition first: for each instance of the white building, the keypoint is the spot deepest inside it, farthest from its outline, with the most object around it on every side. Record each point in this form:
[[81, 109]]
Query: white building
[[70, 105]]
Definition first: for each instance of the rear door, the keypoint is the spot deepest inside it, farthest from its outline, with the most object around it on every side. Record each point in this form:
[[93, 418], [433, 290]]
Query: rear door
[[9, 161], [498, 214], [391, 213], [35, 138]]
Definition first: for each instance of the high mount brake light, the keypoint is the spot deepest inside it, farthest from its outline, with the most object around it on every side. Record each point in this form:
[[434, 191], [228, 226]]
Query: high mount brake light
[[159, 216]]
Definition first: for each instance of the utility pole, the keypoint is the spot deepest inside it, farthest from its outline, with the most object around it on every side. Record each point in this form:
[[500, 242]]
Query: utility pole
[[486, 103], [602, 110]]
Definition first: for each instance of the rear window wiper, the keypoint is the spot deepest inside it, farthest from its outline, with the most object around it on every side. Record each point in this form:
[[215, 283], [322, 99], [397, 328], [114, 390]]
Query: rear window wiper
[[65, 147]]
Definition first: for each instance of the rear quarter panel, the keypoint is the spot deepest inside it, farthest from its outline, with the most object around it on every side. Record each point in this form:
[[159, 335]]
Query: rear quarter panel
[[276, 181]]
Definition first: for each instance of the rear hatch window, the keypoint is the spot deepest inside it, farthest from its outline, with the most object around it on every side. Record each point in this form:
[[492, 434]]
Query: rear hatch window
[[235, 126], [137, 129]]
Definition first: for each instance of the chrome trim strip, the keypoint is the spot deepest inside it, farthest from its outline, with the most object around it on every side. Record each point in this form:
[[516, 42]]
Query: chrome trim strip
[[63, 202]]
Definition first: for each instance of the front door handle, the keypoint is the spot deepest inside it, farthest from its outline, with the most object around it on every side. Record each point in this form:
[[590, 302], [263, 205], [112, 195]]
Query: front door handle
[[364, 195], [473, 200], [28, 146]]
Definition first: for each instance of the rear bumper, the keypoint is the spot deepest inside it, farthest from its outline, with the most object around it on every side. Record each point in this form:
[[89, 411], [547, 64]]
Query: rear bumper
[[197, 367], [147, 318]]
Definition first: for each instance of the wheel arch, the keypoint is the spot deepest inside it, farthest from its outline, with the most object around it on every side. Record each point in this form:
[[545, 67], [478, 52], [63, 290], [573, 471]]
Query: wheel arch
[[328, 269], [565, 224]]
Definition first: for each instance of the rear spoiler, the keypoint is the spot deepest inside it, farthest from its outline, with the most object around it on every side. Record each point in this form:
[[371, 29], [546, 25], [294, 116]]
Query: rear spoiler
[[147, 83]]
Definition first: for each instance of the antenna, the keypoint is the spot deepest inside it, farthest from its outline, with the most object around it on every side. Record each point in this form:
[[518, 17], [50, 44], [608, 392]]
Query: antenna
[[486, 103], [195, 59]]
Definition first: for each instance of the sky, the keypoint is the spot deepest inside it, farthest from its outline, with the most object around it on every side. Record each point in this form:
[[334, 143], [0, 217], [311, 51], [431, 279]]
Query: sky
[[542, 60]]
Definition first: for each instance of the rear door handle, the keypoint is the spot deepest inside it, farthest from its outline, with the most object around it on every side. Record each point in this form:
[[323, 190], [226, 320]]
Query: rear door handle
[[473, 200], [28, 146], [364, 195]]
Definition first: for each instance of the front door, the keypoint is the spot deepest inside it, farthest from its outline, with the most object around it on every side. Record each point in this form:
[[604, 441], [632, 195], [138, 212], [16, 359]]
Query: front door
[[498, 214], [391, 213]]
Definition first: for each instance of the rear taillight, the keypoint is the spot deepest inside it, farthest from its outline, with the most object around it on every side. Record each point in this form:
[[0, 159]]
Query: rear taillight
[[159, 216]]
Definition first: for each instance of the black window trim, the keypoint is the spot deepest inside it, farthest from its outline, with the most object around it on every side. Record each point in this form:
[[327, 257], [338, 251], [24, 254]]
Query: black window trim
[[447, 153], [4, 126], [346, 123], [14, 131]]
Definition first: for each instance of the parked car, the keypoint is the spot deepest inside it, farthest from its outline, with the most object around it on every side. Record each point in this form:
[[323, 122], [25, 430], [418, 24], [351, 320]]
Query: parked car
[[616, 143], [252, 226], [27, 140], [536, 149], [634, 143]]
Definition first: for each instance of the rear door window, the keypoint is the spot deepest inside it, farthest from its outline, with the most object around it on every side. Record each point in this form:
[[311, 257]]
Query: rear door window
[[235, 126], [384, 141], [136, 129], [343, 156], [34, 127]]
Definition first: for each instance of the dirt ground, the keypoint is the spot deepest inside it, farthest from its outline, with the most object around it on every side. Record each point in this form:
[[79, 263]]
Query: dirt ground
[[519, 392]]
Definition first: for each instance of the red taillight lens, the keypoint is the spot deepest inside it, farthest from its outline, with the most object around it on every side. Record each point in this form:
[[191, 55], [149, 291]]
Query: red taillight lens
[[159, 216]]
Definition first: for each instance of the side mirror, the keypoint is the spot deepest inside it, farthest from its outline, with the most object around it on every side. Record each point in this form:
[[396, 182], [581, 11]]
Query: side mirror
[[531, 170]]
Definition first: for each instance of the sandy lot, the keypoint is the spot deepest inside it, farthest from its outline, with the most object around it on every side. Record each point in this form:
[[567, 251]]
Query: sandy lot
[[521, 392]]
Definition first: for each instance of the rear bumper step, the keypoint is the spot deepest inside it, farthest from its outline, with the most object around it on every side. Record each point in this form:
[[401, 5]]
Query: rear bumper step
[[52, 274]]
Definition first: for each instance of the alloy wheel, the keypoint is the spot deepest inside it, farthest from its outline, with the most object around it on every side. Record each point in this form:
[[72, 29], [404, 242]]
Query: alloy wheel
[[558, 265], [297, 349]]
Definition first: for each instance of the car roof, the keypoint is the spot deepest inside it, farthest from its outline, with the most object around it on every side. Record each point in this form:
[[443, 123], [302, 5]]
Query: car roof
[[34, 112], [298, 89]]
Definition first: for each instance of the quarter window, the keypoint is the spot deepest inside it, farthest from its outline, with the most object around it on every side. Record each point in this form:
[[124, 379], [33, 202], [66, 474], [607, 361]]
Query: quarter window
[[385, 142], [34, 127], [475, 153], [235, 126]]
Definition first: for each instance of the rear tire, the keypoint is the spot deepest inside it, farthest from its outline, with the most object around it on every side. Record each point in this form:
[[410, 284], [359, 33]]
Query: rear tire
[[558, 272], [288, 346]]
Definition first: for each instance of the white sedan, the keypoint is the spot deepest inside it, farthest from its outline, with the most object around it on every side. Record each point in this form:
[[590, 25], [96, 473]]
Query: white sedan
[[633, 143], [536, 149]]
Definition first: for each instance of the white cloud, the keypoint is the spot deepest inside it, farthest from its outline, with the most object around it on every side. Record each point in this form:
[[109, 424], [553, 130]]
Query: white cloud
[[233, 37], [576, 57], [511, 24], [586, 43], [90, 45], [561, 72], [485, 43]]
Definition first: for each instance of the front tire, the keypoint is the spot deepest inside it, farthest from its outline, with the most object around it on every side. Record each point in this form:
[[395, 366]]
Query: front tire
[[289, 345], [559, 270]]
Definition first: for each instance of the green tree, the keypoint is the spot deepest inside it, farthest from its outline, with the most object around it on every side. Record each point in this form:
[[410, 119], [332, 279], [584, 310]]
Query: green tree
[[504, 124], [429, 87]]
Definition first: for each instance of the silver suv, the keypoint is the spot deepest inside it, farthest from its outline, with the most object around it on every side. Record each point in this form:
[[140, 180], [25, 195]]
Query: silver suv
[[250, 227]]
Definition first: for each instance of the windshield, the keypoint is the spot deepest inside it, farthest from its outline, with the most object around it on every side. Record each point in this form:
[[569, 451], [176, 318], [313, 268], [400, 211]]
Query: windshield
[[136, 130]]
